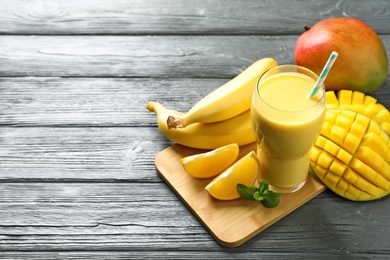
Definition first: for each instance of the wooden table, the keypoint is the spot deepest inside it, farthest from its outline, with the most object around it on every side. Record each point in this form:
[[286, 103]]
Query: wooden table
[[77, 145]]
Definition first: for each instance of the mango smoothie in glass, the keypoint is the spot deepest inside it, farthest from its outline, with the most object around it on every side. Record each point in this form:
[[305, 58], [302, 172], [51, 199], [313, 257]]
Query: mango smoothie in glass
[[286, 124]]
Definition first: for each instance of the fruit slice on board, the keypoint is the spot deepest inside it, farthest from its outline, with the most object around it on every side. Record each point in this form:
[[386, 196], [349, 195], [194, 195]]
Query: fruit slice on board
[[352, 156], [244, 171], [210, 164], [361, 103]]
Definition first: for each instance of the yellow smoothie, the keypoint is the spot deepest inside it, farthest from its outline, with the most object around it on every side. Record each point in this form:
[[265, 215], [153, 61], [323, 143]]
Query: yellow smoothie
[[286, 124]]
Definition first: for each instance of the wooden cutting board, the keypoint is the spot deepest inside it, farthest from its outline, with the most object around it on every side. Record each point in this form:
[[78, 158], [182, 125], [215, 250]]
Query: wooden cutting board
[[231, 223]]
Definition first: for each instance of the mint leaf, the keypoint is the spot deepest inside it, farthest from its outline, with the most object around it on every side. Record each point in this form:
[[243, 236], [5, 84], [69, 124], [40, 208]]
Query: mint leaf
[[246, 192], [257, 196], [263, 186], [271, 199]]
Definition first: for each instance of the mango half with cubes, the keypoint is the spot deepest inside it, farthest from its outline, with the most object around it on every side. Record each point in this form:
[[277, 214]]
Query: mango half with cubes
[[361, 103], [352, 154]]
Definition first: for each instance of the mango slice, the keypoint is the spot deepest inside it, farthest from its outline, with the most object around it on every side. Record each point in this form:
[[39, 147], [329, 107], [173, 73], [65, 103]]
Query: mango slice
[[352, 154], [361, 103]]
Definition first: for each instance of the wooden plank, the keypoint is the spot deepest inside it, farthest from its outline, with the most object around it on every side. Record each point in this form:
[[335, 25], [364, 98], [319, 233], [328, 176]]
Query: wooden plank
[[182, 17], [36, 101], [128, 217], [180, 254], [63, 154], [141, 56], [138, 56]]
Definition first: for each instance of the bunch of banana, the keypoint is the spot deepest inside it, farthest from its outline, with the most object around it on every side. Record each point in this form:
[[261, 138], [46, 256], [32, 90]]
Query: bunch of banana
[[205, 136], [220, 118]]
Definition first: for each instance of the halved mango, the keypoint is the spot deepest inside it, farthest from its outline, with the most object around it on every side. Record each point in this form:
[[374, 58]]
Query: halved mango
[[352, 155]]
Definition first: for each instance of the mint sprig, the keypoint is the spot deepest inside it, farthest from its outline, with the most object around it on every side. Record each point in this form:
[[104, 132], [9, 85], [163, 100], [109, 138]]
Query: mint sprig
[[269, 198]]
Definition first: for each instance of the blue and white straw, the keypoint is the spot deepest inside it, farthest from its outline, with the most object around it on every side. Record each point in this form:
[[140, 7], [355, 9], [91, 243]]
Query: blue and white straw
[[324, 73]]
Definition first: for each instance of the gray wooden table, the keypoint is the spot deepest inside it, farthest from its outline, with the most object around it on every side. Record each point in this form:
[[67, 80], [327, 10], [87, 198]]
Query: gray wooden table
[[77, 145]]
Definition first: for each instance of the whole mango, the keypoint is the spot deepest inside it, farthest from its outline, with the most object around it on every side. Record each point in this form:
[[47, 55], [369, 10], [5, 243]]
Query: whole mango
[[362, 63]]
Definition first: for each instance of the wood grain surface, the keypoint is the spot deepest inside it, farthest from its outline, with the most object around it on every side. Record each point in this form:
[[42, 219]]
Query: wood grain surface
[[77, 145], [205, 17]]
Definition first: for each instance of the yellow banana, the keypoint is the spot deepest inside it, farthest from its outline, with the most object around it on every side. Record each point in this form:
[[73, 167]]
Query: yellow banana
[[205, 135], [227, 101]]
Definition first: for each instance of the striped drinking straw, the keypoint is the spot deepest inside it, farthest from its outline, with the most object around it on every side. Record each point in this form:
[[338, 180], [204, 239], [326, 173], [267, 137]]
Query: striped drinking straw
[[323, 74]]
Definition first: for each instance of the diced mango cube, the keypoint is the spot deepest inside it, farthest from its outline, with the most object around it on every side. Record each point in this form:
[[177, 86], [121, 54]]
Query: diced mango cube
[[351, 143], [344, 96], [342, 186], [338, 168], [363, 120], [374, 128], [344, 156], [359, 108], [331, 116], [386, 127], [338, 134], [358, 130], [331, 147], [320, 171], [344, 122], [331, 99], [315, 153], [383, 115], [321, 141], [371, 110], [362, 184], [353, 192], [350, 175], [325, 160], [357, 97], [326, 129], [369, 100], [332, 178], [348, 113], [365, 196]]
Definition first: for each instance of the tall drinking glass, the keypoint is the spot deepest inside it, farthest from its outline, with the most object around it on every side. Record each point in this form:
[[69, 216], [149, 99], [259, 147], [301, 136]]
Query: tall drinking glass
[[286, 124]]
